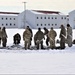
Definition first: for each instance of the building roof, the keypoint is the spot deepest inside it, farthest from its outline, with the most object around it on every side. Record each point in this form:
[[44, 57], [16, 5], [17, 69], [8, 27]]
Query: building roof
[[9, 13], [47, 12]]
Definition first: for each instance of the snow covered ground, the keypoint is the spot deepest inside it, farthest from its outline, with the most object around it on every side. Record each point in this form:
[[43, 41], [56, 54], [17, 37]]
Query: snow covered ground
[[36, 61]]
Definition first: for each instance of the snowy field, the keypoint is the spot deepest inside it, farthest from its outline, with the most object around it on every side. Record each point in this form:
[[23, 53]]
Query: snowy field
[[36, 61]]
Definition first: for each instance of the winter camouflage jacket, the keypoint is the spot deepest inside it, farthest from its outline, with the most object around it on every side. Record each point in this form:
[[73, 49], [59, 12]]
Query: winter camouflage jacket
[[4, 34], [52, 34], [69, 31], [62, 32], [0, 33], [26, 35], [39, 36]]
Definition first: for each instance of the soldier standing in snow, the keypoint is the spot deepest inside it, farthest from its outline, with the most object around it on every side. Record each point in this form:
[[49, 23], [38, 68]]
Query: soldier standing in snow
[[46, 33], [52, 34], [17, 38], [69, 35], [62, 37], [31, 33], [38, 38], [26, 38], [4, 37], [0, 35]]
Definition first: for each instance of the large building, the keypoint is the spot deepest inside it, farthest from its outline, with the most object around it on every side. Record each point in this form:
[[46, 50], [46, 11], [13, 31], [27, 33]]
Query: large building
[[36, 19]]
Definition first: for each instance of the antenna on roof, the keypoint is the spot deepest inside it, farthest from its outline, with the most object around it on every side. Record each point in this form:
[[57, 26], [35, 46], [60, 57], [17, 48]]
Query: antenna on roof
[[24, 14]]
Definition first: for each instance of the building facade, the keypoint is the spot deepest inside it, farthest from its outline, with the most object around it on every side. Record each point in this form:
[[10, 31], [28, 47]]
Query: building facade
[[36, 19], [8, 19], [72, 18]]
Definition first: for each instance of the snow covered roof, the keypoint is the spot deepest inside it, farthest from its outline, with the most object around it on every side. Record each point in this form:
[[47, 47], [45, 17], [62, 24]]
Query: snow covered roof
[[46, 12], [9, 13]]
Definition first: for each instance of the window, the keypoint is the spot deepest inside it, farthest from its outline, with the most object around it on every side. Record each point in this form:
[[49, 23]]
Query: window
[[52, 17], [55, 24], [45, 24], [2, 24], [37, 24], [41, 24], [55, 17], [6, 24], [48, 24], [14, 18], [41, 17], [14, 24], [37, 18], [61, 17], [10, 24], [6, 18], [52, 24], [64, 17], [2, 18], [48, 17], [44, 17], [10, 18]]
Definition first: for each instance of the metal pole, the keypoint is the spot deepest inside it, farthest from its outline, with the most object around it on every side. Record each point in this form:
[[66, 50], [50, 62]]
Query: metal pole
[[24, 14]]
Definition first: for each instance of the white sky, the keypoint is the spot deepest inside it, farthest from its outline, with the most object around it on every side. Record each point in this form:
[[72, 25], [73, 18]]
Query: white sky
[[63, 6]]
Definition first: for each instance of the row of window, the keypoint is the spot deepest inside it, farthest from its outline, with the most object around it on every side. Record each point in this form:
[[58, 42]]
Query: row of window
[[46, 24], [8, 24], [8, 18], [50, 17]]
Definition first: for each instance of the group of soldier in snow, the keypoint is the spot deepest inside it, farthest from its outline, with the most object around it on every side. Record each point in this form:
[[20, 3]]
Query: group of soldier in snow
[[65, 37], [50, 37]]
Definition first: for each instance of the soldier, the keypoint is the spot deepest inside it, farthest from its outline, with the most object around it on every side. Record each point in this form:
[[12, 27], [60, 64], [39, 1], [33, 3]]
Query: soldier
[[69, 35], [0, 35], [4, 37], [52, 34], [62, 37], [17, 38], [38, 38], [31, 33], [26, 38], [46, 33]]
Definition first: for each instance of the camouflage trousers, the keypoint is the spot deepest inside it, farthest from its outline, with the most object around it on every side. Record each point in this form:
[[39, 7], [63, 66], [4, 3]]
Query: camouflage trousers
[[69, 41], [4, 41], [62, 43], [39, 44], [52, 44], [27, 44]]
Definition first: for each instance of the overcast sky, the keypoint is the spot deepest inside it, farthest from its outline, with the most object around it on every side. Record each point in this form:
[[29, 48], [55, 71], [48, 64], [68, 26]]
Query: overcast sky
[[63, 6]]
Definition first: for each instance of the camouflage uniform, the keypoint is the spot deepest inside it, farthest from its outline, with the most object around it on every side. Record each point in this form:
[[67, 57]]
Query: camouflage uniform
[[0, 35], [26, 38], [31, 34], [38, 38], [46, 33], [69, 35], [4, 37], [17, 38], [52, 34], [62, 37]]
